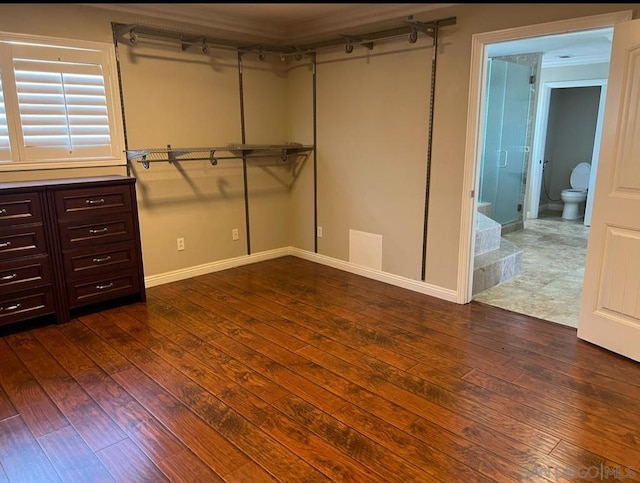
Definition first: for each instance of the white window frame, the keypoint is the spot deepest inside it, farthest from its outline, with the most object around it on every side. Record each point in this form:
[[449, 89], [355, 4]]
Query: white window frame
[[20, 156]]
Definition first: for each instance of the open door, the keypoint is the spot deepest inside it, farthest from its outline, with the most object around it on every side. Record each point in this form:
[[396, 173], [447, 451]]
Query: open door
[[610, 310]]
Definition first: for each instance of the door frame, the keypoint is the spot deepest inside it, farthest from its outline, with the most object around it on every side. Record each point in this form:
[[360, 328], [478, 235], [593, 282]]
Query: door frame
[[475, 125], [534, 177]]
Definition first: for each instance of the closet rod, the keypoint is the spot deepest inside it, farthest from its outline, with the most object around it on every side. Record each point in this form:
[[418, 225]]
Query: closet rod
[[131, 34]]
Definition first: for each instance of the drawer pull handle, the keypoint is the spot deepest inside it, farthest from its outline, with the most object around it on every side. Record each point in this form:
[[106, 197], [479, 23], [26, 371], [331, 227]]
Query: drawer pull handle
[[102, 259], [3, 211], [9, 277], [5, 244], [98, 231], [105, 286], [11, 307], [95, 202]]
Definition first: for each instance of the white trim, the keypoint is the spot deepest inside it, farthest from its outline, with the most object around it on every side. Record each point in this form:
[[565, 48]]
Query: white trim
[[473, 148], [7, 166], [396, 280], [390, 278], [595, 157], [189, 272]]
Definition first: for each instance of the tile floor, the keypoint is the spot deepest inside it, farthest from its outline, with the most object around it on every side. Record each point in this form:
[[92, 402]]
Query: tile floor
[[550, 285]]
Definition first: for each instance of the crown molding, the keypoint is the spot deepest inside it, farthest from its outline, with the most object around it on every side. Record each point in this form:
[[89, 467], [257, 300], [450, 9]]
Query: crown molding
[[356, 17], [600, 58], [264, 30]]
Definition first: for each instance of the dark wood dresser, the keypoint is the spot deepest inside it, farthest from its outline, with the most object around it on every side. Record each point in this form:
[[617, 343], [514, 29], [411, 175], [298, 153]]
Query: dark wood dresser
[[68, 244]]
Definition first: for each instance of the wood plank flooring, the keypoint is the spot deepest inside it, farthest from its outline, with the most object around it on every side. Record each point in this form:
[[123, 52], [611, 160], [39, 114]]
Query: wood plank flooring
[[287, 370]]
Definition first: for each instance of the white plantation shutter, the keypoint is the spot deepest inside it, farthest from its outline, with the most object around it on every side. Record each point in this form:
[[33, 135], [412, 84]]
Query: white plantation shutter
[[62, 103], [5, 145], [63, 110]]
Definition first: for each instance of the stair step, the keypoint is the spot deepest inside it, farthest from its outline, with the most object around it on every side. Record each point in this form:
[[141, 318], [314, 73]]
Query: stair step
[[488, 233], [497, 266], [484, 207]]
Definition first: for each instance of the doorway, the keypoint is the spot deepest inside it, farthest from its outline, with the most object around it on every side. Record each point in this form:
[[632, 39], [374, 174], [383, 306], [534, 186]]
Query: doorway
[[536, 266], [580, 28], [536, 189]]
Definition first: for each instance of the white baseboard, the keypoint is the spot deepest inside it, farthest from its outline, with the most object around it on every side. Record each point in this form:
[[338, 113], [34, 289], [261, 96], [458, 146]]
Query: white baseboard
[[390, 278], [189, 272], [397, 280]]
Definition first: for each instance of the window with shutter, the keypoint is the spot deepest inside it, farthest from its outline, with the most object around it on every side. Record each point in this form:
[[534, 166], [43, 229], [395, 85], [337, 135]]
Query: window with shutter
[[5, 146], [60, 103]]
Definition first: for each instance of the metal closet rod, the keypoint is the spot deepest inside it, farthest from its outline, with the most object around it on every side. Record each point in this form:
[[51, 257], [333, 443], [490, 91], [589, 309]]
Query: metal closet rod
[[131, 34]]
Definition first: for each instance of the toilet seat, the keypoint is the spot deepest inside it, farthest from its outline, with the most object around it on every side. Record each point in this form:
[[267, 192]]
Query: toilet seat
[[574, 196], [580, 176]]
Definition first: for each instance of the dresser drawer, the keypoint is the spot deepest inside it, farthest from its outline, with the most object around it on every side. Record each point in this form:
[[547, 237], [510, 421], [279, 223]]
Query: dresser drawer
[[20, 208], [100, 201], [26, 304], [100, 289], [24, 273], [80, 233], [21, 241], [101, 259]]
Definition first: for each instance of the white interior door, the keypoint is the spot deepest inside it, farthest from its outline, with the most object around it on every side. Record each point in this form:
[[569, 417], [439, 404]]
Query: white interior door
[[610, 311]]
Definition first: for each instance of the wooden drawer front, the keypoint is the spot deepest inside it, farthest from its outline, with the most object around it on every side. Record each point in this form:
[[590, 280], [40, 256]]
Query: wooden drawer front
[[22, 208], [106, 230], [25, 305], [21, 241], [91, 260], [24, 273], [103, 200], [100, 289]]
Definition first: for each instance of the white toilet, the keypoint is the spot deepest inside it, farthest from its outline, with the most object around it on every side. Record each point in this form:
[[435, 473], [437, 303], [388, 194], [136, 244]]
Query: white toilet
[[577, 194]]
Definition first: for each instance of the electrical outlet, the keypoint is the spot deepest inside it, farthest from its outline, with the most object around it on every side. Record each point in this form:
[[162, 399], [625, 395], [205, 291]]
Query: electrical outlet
[[319, 232], [180, 244], [235, 235]]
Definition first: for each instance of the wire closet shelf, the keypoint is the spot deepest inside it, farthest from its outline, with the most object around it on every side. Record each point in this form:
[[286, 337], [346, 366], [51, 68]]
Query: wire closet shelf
[[285, 152]]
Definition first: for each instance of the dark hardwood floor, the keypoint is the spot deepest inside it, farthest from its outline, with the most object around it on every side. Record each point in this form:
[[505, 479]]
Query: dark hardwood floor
[[292, 371]]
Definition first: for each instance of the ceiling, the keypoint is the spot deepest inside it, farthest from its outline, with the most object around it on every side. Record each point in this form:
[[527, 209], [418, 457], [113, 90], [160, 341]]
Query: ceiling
[[291, 23], [574, 48]]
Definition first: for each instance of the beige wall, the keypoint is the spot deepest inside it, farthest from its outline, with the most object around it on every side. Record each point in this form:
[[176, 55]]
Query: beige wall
[[372, 130], [300, 130], [268, 179], [372, 138]]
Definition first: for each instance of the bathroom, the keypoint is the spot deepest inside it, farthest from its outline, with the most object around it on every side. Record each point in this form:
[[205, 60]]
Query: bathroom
[[561, 113], [569, 148]]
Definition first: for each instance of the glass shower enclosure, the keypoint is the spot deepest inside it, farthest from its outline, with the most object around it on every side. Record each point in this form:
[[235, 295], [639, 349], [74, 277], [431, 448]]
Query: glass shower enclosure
[[505, 148]]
